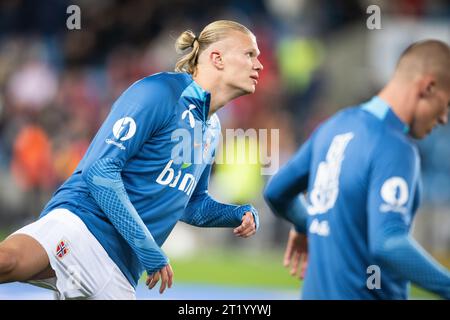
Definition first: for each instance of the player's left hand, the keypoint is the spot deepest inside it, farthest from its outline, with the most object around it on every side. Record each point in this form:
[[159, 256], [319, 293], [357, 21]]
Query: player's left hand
[[296, 254], [166, 275], [247, 227]]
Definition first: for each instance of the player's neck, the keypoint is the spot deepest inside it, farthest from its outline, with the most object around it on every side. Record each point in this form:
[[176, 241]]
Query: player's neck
[[399, 99], [220, 95]]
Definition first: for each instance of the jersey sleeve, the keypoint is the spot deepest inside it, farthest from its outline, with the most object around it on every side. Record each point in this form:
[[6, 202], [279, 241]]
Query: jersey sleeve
[[143, 109], [392, 198], [137, 115], [283, 189], [203, 211]]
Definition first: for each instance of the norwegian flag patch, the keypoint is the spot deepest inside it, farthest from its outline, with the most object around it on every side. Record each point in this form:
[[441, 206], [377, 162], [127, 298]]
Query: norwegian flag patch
[[62, 249]]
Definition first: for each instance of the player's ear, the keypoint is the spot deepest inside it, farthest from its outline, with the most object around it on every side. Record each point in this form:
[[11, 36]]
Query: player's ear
[[216, 59], [427, 86]]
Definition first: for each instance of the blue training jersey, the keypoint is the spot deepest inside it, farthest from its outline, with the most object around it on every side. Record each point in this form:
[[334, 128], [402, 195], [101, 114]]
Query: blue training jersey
[[361, 173], [159, 142]]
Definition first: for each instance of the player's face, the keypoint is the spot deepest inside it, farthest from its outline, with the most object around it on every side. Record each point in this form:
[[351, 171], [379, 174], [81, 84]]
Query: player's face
[[241, 64], [431, 111]]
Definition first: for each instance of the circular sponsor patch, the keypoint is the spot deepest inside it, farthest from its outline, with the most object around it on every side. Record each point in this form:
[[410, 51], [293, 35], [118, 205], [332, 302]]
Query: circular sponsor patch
[[395, 191], [124, 128]]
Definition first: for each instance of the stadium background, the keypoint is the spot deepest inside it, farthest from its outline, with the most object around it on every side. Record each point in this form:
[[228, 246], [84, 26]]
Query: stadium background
[[57, 85]]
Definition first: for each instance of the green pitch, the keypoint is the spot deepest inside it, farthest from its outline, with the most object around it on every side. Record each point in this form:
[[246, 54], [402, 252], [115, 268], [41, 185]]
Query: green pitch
[[237, 269]]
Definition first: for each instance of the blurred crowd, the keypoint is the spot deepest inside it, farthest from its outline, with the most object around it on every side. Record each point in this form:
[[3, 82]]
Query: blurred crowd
[[57, 85]]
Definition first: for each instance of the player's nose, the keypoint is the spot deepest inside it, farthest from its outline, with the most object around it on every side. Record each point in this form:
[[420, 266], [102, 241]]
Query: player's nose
[[258, 65], [443, 119]]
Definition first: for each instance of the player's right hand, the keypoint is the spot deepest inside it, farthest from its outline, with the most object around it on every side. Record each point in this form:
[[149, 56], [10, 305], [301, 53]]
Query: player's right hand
[[296, 254], [166, 276]]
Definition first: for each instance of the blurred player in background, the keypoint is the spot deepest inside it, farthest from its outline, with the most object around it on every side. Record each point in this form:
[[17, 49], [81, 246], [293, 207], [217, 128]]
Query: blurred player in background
[[361, 173], [106, 224]]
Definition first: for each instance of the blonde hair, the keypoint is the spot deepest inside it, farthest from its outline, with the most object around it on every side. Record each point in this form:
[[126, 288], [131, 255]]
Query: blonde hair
[[213, 32]]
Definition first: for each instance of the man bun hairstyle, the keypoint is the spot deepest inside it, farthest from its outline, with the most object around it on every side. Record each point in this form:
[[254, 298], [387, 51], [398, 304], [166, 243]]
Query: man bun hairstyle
[[213, 32]]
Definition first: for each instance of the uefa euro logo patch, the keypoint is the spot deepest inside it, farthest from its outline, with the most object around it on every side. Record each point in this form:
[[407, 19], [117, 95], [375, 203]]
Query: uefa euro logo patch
[[62, 249]]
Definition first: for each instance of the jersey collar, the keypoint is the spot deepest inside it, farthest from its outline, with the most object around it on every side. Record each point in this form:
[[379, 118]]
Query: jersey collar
[[382, 110], [200, 98]]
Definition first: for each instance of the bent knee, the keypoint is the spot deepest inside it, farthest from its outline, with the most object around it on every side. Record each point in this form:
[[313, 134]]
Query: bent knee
[[8, 260]]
